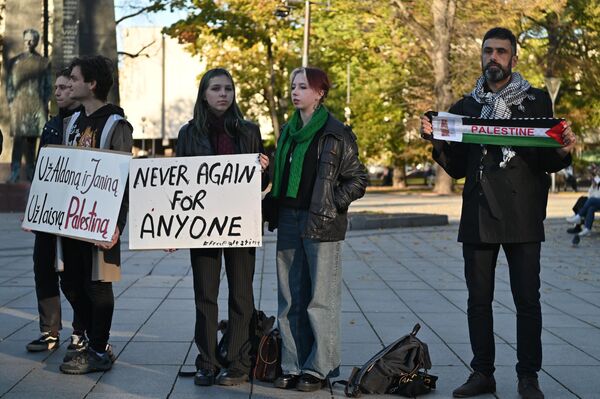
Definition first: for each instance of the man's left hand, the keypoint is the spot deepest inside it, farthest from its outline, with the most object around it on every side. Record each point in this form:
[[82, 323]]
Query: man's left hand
[[569, 140], [113, 240]]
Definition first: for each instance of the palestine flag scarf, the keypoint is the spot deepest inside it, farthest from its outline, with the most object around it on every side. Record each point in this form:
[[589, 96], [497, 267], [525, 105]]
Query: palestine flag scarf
[[523, 132], [498, 128]]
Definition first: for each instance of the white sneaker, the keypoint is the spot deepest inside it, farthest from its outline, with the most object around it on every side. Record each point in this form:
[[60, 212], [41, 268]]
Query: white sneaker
[[584, 232], [574, 219]]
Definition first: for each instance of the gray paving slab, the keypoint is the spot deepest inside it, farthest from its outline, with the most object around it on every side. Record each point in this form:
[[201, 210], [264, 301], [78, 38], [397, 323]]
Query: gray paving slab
[[392, 279], [147, 381]]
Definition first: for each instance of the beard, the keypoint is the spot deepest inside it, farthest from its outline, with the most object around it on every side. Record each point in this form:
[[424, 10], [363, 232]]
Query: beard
[[498, 73]]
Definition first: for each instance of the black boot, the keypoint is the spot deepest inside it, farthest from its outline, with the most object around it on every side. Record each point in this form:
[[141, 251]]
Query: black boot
[[87, 361], [231, 377], [477, 384], [286, 381], [204, 377], [309, 383], [529, 388]]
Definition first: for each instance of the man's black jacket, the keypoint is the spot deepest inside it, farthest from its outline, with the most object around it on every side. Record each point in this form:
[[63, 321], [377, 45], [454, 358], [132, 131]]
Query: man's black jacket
[[504, 205]]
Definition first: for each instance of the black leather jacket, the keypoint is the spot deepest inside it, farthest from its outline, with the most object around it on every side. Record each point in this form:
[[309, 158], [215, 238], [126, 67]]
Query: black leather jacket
[[341, 179]]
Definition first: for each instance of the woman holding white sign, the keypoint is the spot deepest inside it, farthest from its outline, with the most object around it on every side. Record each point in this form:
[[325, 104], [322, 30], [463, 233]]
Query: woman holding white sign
[[218, 128], [317, 176]]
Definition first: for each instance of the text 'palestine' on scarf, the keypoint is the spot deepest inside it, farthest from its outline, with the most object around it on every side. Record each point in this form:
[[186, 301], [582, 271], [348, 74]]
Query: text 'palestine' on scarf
[[526, 132]]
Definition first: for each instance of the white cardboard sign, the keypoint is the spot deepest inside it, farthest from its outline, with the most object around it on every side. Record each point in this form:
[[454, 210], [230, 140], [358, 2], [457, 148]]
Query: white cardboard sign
[[195, 202], [77, 192]]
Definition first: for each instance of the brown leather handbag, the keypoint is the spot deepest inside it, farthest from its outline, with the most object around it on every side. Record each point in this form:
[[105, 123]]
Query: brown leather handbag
[[268, 357]]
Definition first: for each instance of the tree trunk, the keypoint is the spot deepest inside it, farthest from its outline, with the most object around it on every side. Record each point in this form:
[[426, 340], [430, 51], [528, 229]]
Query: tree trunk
[[443, 12], [553, 30], [270, 92], [399, 178]]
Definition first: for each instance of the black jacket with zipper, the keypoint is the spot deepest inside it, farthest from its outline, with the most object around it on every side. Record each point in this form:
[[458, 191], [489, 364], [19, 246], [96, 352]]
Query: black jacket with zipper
[[341, 178], [501, 205]]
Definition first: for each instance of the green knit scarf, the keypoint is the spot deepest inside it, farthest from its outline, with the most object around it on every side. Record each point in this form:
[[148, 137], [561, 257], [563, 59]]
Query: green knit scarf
[[302, 136]]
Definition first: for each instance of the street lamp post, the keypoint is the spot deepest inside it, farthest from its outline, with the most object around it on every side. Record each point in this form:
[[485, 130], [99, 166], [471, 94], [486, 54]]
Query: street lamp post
[[347, 110], [553, 85], [306, 33], [283, 11]]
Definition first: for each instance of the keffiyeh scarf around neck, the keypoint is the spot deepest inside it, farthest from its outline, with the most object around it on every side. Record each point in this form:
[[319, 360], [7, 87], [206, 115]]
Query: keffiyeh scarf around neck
[[497, 105]]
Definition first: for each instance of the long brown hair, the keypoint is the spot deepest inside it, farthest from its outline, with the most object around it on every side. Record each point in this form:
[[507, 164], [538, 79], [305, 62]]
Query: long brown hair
[[234, 119]]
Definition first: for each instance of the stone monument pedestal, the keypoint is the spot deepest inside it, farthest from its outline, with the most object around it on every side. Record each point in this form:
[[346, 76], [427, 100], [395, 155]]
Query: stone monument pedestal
[[13, 196]]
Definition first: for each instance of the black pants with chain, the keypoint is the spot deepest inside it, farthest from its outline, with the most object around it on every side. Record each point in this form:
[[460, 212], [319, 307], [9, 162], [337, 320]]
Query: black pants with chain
[[92, 300], [524, 268], [206, 268]]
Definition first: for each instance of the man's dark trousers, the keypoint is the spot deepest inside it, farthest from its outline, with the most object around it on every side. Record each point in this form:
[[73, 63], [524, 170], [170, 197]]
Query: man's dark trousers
[[524, 268], [93, 301]]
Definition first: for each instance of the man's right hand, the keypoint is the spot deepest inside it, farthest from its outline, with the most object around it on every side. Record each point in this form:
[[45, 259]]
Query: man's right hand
[[426, 128]]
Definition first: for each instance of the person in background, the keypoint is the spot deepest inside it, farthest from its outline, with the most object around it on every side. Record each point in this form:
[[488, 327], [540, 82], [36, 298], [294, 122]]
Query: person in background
[[585, 215]]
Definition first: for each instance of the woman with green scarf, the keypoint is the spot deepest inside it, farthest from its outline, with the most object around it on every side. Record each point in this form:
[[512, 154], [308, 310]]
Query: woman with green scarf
[[317, 175]]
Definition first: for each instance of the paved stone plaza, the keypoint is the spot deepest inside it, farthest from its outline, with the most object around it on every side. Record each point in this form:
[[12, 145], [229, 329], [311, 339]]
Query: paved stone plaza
[[392, 279]]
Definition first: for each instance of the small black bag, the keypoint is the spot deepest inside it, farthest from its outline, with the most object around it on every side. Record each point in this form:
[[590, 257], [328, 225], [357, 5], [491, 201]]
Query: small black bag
[[396, 369]]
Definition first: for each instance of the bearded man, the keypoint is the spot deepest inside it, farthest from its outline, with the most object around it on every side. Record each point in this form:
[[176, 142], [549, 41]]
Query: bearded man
[[504, 205]]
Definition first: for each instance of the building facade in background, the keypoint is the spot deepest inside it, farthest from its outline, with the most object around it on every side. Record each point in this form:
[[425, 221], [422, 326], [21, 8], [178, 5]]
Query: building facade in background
[[158, 85]]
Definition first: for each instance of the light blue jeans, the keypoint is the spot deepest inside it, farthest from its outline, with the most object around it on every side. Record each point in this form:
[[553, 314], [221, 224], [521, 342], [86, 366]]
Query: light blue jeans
[[309, 299]]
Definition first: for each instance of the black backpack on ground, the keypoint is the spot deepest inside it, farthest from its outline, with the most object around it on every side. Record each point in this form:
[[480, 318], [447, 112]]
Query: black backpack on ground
[[400, 368]]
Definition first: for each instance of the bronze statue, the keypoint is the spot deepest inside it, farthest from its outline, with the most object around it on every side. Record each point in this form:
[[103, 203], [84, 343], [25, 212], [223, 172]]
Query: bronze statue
[[28, 90]]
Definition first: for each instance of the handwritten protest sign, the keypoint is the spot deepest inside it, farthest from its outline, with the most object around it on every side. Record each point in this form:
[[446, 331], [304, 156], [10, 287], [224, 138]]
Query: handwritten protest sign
[[77, 192], [195, 202]]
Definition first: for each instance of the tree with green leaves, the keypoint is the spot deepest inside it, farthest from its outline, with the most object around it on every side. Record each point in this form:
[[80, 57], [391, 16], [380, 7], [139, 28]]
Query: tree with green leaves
[[404, 59], [447, 36], [245, 37], [562, 42]]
